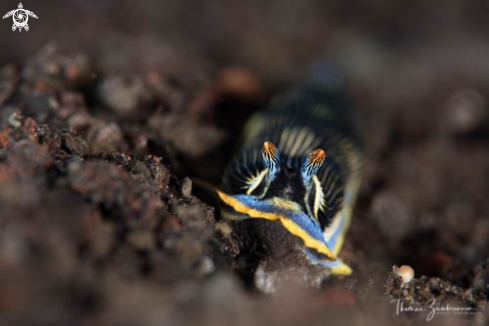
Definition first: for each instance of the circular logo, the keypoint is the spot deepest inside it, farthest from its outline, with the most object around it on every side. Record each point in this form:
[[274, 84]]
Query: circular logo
[[20, 18]]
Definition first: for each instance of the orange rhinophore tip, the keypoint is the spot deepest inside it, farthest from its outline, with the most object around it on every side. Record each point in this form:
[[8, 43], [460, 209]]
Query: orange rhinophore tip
[[312, 164], [317, 157], [269, 149], [271, 156]]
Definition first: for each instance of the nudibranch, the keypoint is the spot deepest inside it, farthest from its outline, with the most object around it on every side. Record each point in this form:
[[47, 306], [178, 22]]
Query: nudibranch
[[299, 165]]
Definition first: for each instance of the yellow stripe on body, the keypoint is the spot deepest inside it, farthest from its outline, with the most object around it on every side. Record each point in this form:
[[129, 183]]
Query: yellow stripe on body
[[241, 208], [306, 145], [319, 200], [287, 223], [255, 181], [284, 136], [308, 240], [299, 140], [343, 269], [345, 213]]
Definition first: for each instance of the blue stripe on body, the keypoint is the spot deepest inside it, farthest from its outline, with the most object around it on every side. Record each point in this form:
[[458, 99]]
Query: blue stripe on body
[[302, 220]]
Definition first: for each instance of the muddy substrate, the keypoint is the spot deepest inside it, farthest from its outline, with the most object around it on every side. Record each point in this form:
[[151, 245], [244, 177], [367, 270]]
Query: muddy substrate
[[100, 226]]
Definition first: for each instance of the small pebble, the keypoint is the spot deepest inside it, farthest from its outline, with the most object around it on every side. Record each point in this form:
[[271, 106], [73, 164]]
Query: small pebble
[[13, 120], [224, 228], [205, 266], [405, 272], [186, 187]]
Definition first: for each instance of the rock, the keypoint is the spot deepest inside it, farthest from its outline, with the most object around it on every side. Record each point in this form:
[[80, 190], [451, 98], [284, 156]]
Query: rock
[[128, 97], [106, 136]]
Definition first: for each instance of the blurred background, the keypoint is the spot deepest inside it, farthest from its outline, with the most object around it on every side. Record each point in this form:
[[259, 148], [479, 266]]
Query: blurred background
[[274, 38]]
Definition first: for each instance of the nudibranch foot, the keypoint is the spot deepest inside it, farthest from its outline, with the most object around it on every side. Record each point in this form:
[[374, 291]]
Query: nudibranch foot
[[337, 267]]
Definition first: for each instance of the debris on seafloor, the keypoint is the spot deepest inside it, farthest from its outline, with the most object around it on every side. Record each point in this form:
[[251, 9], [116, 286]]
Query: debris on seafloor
[[110, 210]]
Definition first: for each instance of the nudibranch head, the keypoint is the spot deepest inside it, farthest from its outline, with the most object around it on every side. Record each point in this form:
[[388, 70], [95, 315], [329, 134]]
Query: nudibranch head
[[291, 197]]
